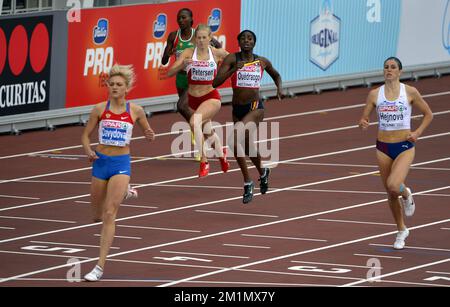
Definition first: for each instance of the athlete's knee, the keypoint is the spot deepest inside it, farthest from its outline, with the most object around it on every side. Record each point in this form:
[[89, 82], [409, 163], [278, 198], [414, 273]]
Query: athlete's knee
[[109, 215], [193, 123], [393, 189]]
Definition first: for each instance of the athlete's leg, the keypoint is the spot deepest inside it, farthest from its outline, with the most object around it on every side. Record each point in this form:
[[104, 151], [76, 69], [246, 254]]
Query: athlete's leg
[[117, 187], [98, 195], [205, 112], [183, 104]]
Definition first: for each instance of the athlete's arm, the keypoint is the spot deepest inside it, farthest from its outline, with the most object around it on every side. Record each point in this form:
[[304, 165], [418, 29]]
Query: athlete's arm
[[424, 108], [181, 63], [169, 50], [85, 136], [215, 43], [275, 75], [141, 119], [226, 70], [364, 122]]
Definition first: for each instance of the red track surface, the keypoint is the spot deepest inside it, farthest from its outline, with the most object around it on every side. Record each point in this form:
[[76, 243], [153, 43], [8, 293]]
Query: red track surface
[[325, 216]]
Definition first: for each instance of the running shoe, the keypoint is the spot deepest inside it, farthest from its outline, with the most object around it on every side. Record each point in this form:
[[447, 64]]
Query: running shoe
[[248, 192], [131, 193], [224, 164], [408, 204], [204, 169], [400, 239], [264, 181], [95, 274]]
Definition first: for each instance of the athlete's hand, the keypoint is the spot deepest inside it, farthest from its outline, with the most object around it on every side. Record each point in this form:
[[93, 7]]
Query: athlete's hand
[[172, 51], [149, 134], [364, 124], [413, 137], [187, 62], [92, 156]]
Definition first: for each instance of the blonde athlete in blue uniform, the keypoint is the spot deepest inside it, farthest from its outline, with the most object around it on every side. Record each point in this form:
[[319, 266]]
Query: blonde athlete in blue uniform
[[396, 142], [111, 168]]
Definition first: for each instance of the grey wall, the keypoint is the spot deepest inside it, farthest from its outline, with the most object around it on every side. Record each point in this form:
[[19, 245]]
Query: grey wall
[[58, 74]]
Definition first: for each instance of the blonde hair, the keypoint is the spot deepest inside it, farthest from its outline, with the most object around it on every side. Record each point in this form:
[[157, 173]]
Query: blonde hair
[[126, 72], [202, 27]]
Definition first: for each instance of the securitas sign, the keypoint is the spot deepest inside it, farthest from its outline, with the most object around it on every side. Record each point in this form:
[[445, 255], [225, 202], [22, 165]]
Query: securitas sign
[[25, 54], [325, 37]]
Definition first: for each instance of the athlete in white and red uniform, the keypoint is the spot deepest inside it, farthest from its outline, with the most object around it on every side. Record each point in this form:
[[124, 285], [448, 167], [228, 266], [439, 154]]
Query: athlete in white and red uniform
[[177, 42], [111, 168], [204, 100], [246, 71], [396, 142]]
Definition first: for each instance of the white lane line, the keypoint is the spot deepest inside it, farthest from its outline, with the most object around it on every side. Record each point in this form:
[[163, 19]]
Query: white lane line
[[7, 228], [445, 228], [284, 238], [377, 256], [411, 283], [235, 231], [122, 205], [56, 182], [225, 200], [298, 274], [39, 254], [355, 222], [238, 169], [432, 168], [36, 219], [224, 125], [19, 197], [122, 237], [332, 130], [293, 255], [147, 281], [359, 149], [338, 265], [415, 247], [338, 191], [436, 94], [186, 131], [437, 195], [434, 272], [138, 206], [210, 255], [332, 164], [247, 246], [165, 264], [69, 244], [189, 152], [200, 186], [236, 213], [396, 273], [158, 228], [58, 156]]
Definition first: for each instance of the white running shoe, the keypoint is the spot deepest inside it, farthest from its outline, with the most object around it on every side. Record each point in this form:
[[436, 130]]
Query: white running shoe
[[95, 274], [408, 204], [400, 239], [131, 193]]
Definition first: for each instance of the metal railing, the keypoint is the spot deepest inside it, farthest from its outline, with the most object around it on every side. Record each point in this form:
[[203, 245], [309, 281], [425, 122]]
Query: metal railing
[[79, 115]]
